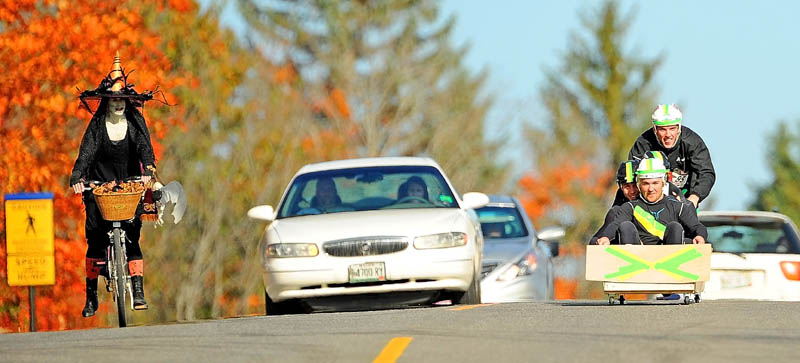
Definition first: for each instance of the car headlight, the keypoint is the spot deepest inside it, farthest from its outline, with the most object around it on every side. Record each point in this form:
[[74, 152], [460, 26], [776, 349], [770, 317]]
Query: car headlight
[[524, 266], [292, 250], [440, 240]]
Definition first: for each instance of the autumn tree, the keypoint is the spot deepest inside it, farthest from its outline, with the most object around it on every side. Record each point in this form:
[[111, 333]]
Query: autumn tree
[[47, 49], [391, 70], [598, 101], [782, 191]]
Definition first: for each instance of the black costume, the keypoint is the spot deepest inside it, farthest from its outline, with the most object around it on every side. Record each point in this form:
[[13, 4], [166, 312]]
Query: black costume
[[689, 159], [655, 223], [104, 160], [100, 159]]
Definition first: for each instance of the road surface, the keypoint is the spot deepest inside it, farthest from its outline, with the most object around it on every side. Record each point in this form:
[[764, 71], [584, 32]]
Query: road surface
[[555, 331]]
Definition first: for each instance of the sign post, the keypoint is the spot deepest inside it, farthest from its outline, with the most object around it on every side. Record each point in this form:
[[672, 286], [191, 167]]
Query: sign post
[[29, 243]]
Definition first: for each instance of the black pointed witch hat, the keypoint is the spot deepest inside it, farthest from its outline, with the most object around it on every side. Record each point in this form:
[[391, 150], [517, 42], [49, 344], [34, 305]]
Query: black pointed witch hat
[[116, 85]]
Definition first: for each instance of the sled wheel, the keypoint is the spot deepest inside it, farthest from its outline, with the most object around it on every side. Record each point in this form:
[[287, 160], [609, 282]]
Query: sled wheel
[[687, 300], [622, 300], [610, 300], [697, 298]]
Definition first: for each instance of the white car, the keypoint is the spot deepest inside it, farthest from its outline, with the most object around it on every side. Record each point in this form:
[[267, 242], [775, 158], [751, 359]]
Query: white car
[[355, 233], [756, 256]]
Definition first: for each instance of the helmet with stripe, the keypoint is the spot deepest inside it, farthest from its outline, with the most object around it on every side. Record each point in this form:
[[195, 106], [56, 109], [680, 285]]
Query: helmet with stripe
[[651, 168], [667, 115], [627, 172], [655, 154]]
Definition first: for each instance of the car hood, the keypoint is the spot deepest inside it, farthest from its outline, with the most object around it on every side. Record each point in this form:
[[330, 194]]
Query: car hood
[[502, 250], [390, 222]]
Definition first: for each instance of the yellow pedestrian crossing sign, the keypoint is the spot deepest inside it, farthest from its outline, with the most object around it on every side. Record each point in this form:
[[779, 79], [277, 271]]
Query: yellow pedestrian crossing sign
[[29, 239]]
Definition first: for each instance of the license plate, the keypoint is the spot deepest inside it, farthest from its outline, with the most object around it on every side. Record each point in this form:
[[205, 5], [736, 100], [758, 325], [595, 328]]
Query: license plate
[[732, 280], [367, 272]]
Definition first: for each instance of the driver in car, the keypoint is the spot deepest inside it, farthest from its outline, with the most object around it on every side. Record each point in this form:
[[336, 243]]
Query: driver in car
[[414, 190], [326, 196]]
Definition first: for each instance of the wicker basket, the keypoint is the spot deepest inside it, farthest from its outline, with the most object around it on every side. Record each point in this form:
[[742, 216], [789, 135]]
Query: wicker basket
[[118, 206]]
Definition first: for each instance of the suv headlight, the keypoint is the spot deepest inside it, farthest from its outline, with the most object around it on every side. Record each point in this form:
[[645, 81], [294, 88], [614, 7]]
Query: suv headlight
[[524, 266], [292, 250], [440, 240]]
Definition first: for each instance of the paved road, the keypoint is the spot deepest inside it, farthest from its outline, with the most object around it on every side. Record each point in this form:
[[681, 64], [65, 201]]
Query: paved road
[[581, 331]]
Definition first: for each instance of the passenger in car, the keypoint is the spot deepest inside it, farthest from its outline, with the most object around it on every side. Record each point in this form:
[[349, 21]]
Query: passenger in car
[[326, 196], [414, 190]]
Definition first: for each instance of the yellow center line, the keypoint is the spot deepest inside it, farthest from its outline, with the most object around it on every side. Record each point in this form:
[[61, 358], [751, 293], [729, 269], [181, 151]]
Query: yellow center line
[[393, 350], [467, 307]]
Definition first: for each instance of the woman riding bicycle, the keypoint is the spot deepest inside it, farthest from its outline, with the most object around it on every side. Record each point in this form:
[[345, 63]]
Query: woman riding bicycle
[[116, 145]]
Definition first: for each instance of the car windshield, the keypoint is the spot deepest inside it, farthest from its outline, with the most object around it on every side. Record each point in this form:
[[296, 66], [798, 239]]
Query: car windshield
[[501, 222], [369, 188], [752, 237]]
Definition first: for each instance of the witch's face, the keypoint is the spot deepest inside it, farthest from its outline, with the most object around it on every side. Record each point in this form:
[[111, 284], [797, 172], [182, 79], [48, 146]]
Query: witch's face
[[116, 106]]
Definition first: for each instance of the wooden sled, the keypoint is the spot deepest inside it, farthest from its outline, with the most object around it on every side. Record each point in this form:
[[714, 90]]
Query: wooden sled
[[654, 269]]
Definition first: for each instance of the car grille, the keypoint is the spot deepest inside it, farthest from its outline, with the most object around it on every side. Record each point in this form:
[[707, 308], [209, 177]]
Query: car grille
[[366, 246], [487, 268]]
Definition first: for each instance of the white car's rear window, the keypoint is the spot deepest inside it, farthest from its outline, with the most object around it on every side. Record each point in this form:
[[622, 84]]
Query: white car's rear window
[[752, 237]]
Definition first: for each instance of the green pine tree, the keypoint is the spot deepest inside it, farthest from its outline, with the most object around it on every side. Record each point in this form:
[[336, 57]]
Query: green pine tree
[[406, 90], [782, 193], [598, 101]]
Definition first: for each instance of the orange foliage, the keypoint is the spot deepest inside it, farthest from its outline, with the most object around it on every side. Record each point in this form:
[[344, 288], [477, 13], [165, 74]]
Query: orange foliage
[[565, 288], [47, 49], [326, 145], [334, 105], [562, 184]]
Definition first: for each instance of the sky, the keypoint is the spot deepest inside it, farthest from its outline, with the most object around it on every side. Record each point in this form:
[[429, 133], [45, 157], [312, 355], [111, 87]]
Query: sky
[[730, 66]]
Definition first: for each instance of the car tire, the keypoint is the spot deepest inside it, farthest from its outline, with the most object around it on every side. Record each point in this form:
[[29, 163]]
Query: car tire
[[282, 308], [473, 293]]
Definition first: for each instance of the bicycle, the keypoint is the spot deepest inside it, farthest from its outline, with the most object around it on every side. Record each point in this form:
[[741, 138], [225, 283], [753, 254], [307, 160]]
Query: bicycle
[[116, 274]]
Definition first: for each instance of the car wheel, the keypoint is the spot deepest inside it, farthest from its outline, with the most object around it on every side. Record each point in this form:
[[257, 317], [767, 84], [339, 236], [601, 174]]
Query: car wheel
[[283, 307], [472, 295]]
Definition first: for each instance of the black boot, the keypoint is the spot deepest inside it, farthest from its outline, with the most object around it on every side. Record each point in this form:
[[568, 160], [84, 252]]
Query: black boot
[[91, 298], [138, 293]]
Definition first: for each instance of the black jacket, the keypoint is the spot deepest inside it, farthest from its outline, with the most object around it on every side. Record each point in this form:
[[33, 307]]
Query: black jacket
[[689, 160], [650, 219]]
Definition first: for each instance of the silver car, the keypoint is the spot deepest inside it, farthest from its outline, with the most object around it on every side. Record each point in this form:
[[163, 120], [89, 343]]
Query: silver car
[[517, 263]]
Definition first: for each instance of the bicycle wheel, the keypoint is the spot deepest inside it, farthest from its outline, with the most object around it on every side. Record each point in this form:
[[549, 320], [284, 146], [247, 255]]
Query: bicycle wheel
[[120, 278]]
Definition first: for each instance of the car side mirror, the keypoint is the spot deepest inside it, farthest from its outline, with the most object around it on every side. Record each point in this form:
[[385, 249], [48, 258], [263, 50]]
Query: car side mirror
[[262, 212], [548, 238], [551, 234], [474, 200]]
